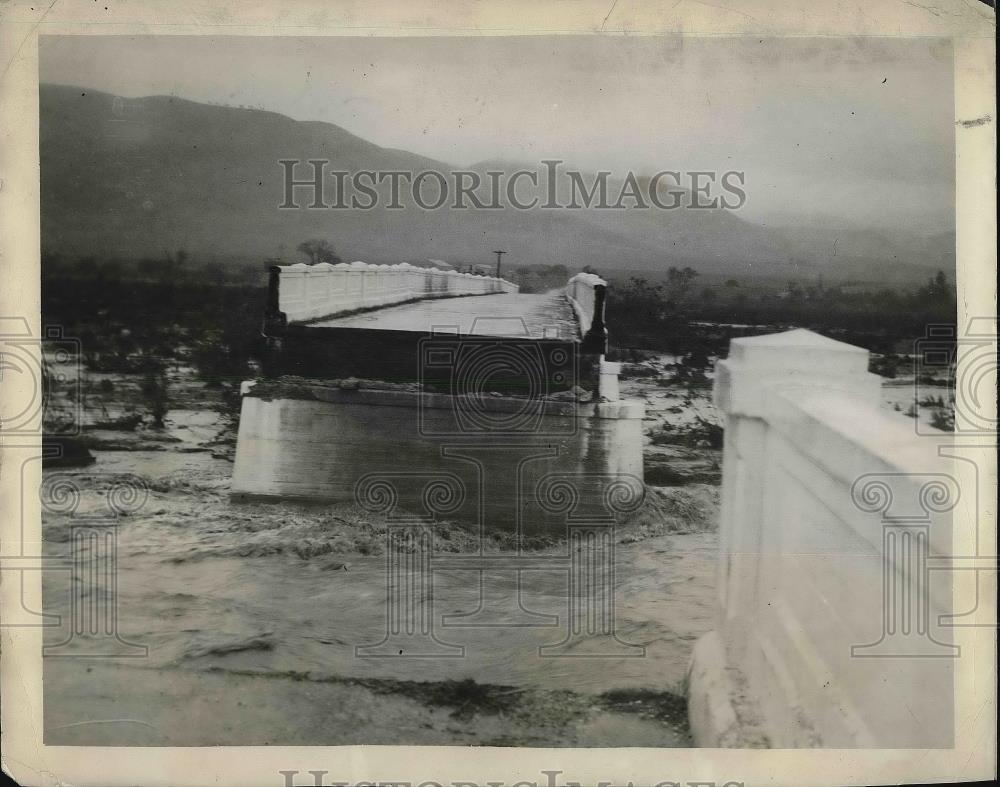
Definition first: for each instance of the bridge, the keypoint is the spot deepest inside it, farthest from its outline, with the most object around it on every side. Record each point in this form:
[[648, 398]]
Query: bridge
[[510, 315], [327, 295], [426, 394], [378, 368], [361, 320]]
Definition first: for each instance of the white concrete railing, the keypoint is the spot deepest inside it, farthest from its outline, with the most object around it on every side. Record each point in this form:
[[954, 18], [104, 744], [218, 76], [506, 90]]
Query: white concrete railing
[[585, 293], [833, 513], [308, 292]]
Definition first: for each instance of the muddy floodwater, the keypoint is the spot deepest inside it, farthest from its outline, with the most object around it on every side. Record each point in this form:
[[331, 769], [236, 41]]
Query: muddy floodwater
[[240, 622]]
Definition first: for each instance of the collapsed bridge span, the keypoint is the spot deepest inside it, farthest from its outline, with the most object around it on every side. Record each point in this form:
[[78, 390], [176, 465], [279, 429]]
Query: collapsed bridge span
[[386, 369]]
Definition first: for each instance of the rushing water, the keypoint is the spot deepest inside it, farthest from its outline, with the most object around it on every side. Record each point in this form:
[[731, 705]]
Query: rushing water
[[208, 585], [207, 582]]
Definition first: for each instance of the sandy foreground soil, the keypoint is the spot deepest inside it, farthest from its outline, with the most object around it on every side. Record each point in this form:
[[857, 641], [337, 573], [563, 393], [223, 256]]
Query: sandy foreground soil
[[250, 613]]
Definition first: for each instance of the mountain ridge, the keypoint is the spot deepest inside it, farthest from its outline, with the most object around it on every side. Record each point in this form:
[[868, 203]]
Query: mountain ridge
[[130, 177]]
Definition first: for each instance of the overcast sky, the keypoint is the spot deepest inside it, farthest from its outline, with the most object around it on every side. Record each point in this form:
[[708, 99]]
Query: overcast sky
[[856, 130]]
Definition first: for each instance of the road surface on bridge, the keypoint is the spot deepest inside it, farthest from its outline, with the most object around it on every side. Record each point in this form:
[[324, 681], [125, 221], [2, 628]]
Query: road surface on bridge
[[541, 315]]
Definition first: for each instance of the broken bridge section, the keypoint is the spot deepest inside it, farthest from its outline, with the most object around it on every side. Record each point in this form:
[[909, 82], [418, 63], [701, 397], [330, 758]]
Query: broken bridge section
[[393, 369], [368, 321]]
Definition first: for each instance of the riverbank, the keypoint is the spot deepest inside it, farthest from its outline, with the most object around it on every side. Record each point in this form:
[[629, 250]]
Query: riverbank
[[179, 707]]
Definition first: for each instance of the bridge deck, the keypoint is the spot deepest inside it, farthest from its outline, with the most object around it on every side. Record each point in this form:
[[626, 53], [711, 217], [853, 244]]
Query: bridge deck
[[545, 315]]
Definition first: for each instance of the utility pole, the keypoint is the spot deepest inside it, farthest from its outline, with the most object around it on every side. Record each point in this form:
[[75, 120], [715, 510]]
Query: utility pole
[[499, 254]]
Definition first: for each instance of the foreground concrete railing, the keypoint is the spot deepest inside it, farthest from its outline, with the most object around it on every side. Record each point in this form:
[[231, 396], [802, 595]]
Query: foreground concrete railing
[[834, 513], [586, 293], [308, 292]]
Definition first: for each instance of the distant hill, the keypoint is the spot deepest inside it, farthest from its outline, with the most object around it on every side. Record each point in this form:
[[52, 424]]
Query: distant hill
[[137, 177]]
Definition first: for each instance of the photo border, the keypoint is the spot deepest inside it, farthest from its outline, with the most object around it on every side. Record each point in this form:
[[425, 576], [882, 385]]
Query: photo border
[[972, 29]]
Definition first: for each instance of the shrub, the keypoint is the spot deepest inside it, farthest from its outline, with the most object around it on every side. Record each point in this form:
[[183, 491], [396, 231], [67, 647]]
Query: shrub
[[943, 419], [155, 389], [702, 433]]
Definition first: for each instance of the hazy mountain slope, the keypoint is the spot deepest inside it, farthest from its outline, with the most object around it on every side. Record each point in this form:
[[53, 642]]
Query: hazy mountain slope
[[166, 173], [135, 177]]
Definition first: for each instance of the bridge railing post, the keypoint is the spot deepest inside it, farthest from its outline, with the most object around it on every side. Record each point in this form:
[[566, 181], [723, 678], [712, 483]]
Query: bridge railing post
[[586, 293], [275, 320]]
